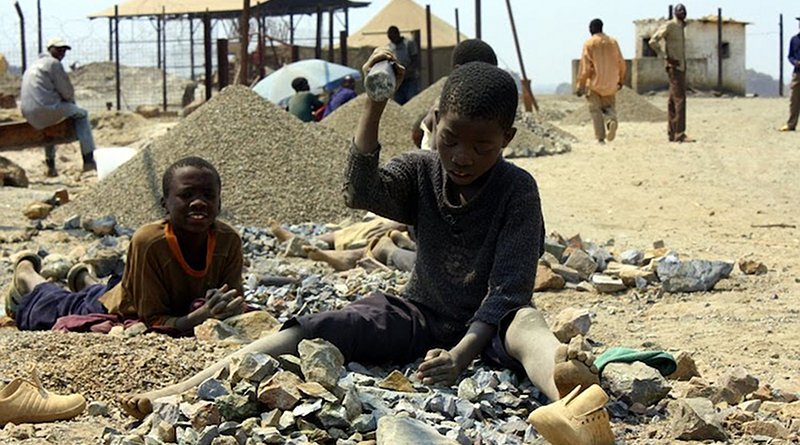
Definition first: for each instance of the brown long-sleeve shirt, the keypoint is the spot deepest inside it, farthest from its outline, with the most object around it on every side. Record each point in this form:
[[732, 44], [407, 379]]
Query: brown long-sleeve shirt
[[669, 42], [158, 285], [602, 65]]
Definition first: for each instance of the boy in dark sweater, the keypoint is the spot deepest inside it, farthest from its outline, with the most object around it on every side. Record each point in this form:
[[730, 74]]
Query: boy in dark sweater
[[479, 236]]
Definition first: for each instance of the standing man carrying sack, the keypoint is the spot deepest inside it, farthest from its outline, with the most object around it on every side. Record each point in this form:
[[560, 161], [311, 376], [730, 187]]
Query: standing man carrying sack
[[47, 98], [669, 42], [603, 69], [794, 104]]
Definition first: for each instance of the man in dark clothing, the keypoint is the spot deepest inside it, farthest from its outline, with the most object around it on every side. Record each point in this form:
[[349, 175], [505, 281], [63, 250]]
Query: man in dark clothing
[[406, 53], [794, 103], [343, 95], [303, 103]]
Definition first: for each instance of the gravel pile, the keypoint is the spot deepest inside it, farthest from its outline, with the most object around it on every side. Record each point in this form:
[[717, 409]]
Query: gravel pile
[[395, 130], [272, 166], [117, 127], [421, 103], [631, 107]]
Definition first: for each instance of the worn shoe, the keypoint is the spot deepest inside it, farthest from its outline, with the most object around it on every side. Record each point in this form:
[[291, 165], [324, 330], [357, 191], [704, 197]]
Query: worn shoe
[[26, 401], [683, 139], [14, 296], [786, 128], [611, 130], [75, 273], [577, 419]]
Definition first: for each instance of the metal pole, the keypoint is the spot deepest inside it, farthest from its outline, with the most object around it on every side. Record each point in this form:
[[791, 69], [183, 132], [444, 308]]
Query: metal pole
[[22, 36], [191, 48], [164, 55], [429, 43], [291, 30], [527, 95], [110, 39], [719, 49], [458, 29], [245, 41], [477, 19], [262, 29], [343, 47], [207, 52], [330, 35], [117, 78], [669, 13], [780, 56], [222, 63], [158, 41], [318, 46], [39, 21]]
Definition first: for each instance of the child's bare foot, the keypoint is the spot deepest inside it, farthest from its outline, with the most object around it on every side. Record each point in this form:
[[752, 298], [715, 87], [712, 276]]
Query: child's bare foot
[[402, 240], [382, 249], [136, 405], [574, 366], [278, 231], [370, 264], [338, 259]]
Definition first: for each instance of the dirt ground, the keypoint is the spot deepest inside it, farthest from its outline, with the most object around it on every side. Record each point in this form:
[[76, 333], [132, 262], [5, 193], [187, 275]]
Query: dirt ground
[[705, 200]]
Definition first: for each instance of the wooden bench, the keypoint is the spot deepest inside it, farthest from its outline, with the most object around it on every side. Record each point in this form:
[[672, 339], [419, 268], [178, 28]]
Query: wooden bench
[[20, 135]]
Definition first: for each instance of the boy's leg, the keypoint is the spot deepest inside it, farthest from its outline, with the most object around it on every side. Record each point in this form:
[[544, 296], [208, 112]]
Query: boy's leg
[[553, 367], [282, 342], [340, 260]]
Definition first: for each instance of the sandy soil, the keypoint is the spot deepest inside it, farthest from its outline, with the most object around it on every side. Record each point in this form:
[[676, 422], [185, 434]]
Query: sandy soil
[[705, 200]]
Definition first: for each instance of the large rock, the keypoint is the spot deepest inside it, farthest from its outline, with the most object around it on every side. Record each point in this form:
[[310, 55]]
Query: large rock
[[214, 330], [546, 279], [394, 430], [581, 262], [569, 274], [571, 322], [253, 325], [12, 174], [321, 361], [738, 383], [255, 367], [690, 276], [686, 367], [635, 383], [695, 419], [280, 391], [769, 428]]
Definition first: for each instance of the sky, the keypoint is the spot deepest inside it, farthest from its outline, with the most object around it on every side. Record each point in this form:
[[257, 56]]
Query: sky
[[550, 33]]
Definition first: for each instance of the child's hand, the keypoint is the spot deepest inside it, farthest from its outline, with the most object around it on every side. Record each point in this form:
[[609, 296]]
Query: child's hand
[[222, 303], [439, 367], [380, 54]]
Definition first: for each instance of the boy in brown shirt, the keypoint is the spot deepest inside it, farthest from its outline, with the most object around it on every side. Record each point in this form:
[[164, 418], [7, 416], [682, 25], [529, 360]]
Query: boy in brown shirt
[[188, 255]]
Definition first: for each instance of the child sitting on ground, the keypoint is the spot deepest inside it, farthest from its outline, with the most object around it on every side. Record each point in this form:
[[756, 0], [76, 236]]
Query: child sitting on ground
[[479, 236], [171, 263]]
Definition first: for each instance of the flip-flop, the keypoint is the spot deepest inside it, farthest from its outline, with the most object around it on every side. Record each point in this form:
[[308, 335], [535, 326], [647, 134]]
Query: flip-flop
[[14, 297], [74, 273]]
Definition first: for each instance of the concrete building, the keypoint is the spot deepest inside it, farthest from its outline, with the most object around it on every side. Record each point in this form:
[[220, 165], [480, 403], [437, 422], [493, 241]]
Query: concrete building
[[647, 71]]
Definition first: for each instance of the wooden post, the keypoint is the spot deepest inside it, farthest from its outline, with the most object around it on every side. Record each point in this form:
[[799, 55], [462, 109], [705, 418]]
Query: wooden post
[[191, 48], [780, 56], [330, 35], [318, 45], [719, 49], [477, 19], [458, 29], [429, 43], [262, 29], [158, 40], [164, 56], [527, 95], [22, 36], [110, 39], [207, 53], [117, 77], [244, 39], [39, 22], [670, 13], [343, 47], [222, 63]]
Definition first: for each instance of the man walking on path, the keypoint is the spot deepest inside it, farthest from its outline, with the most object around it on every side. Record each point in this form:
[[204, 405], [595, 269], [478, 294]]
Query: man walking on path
[[603, 69], [47, 98], [794, 104], [669, 42]]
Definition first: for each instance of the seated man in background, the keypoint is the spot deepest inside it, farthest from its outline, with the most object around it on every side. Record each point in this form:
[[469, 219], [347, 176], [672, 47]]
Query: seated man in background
[[344, 94], [47, 98], [304, 103]]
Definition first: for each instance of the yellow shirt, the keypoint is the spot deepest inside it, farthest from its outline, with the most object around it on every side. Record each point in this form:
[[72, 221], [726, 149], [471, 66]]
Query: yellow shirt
[[158, 285], [669, 41], [602, 65]]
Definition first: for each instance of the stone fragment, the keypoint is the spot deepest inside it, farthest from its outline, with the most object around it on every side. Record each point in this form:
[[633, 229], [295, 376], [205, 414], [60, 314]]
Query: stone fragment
[[214, 330], [444, 404], [635, 382], [72, 223], [585, 286], [333, 416], [294, 247], [148, 111], [307, 408], [314, 389], [554, 248], [11, 174], [207, 436], [101, 226], [769, 428], [225, 440], [548, 259], [571, 322], [396, 381], [739, 383], [582, 263], [253, 325], [286, 420], [752, 267], [791, 410], [268, 435], [164, 432], [686, 367], [97, 408], [203, 414], [55, 266], [211, 389], [695, 419], [135, 329], [280, 391], [321, 361], [468, 389], [290, 363], [690, 276], [37, 210], [236, 407], [606, 284], [633, 257], [254, 367], [750, 406], [352, 403], [405, 430], [569, 274], [365, 422], [630, 276], [546, 279]]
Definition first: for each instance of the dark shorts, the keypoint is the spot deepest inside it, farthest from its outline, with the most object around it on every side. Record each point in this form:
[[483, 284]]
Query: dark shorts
[[48, 301], [381, 328]]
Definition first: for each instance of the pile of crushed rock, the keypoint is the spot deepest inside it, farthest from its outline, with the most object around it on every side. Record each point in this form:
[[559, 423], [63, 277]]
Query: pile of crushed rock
[[271, 164], [630, 107]]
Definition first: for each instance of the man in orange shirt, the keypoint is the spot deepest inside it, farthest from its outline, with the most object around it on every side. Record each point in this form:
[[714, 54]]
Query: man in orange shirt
[[602, 74]]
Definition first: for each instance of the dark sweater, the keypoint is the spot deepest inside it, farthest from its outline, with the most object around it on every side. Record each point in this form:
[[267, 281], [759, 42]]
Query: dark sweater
[[475, 261]]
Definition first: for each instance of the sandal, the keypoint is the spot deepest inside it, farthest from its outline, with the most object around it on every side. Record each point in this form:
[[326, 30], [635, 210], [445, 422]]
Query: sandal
[[75, 272], [14, 297]]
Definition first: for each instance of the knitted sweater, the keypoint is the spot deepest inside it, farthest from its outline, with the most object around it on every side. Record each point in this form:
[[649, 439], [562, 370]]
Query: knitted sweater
[[475, 261]]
